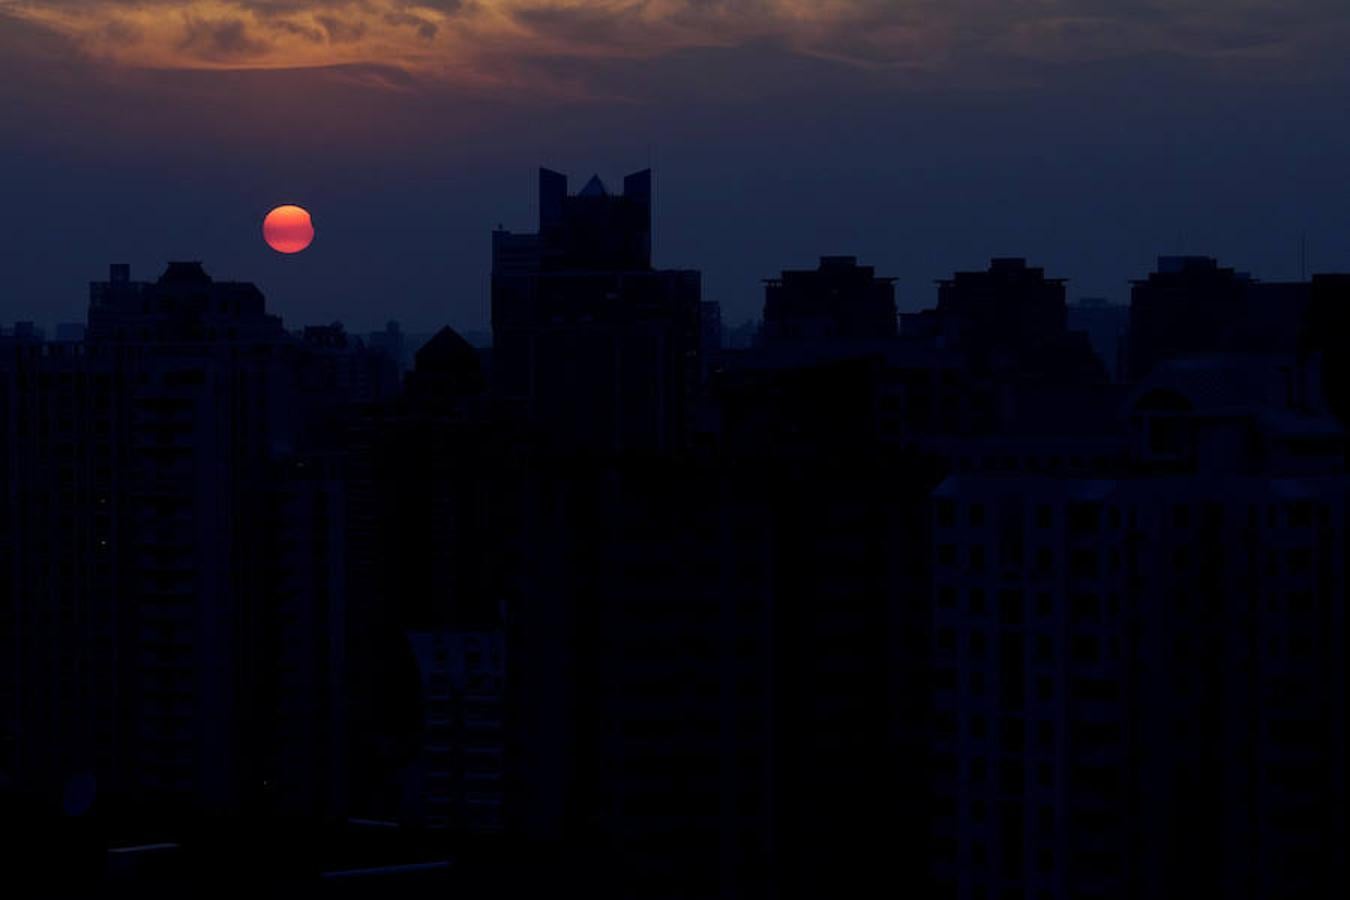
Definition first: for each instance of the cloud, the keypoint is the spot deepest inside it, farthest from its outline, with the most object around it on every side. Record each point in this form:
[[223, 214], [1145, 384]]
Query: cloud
[[501, 41], [220, 40]]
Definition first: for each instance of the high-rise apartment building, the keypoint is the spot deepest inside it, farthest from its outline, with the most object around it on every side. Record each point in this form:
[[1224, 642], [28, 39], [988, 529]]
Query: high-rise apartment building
[[594, 345]]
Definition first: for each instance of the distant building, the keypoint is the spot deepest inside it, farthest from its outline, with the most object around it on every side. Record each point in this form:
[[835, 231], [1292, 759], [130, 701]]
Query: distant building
[[710, 336], [70, 332], [392, 343], [1009, 321], [1326, 331], [742, 336], [596, 347], [838, 300], [1106, 325], [1192, 306]]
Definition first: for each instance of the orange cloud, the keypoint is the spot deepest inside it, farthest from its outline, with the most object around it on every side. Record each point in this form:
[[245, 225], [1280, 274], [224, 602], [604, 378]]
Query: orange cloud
[[490, 41]]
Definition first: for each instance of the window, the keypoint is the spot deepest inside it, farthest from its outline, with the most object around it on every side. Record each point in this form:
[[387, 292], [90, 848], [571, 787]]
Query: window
[[1013, 670], [1086, 608], [977, 515], [1083, 564], [1086, 649], [1180, 559], [1014, 735], [1013, 835], [1046, 817], [1010, 607], [976, 602], [977, 558], [1085, 518], [1300, 601], [946, 640], [1045, 648], [1045, 604], [946, 513], [1045, 559], [1095, 690], [946, 596], [947, 555], [1043, 516]]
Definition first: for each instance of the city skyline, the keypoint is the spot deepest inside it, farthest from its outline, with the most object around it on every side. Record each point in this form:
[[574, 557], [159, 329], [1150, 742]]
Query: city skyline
[[674, 449], [617, 598], [1087, 138]]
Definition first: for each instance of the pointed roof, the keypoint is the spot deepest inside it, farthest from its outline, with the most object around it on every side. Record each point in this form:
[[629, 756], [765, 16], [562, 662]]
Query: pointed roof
[[447, 352], [445, 367], [594, 188], [185, 273]]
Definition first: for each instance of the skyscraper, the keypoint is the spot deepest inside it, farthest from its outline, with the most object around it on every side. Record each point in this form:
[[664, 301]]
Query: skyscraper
[[1139, 682], [178, 549], [593, 344]]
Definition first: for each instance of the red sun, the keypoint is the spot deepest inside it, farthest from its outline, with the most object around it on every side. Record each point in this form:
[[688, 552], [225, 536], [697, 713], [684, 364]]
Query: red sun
[[288, 229]]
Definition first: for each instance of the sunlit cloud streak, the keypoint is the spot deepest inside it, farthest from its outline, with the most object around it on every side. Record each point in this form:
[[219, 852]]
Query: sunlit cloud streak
[[496, 41]]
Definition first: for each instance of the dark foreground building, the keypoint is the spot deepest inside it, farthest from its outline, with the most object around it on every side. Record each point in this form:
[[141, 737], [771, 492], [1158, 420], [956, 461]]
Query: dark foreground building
[[175, 533]]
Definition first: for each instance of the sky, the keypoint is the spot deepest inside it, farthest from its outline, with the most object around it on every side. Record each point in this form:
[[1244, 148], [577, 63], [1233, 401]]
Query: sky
[[923, 136]]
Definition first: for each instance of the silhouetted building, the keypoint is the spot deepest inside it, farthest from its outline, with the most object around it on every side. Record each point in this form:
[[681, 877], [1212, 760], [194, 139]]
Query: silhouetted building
[[1182, 308], [1106, 325], [1009, 322], [634, 601], [1192, 306], [432, 478], [72, 332], [640, 672], [742, 336], [710, 336], [1325, 331], [390, 342], [1129, 665], [179, 553], [597, 347], [839, 300], [459, 779]]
